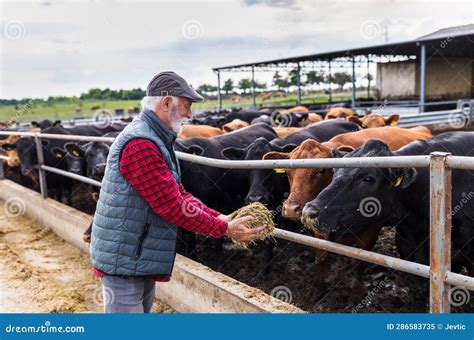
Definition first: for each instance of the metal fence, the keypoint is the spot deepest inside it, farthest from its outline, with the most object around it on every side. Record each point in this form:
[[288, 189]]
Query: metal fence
[[440, 166]]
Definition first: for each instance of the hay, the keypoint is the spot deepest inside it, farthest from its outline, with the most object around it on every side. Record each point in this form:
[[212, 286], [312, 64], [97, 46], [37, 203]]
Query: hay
[[262, 216]]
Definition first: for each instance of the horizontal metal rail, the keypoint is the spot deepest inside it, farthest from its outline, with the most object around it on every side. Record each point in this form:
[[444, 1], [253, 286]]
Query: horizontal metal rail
[[71, 175], [375, 258]]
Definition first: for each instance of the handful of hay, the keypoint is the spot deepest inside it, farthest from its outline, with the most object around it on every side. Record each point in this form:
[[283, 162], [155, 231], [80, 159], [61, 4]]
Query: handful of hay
[[261, 215]]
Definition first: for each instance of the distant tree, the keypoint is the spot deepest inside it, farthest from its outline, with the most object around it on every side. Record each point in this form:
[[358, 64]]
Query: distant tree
[[261, 86], [228, 86], [293, 77], [341, 79], [314, 77], [280, 82], [206, 88], [245, 84]]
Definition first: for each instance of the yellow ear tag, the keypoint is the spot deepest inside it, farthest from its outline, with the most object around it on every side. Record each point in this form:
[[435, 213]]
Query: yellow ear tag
[[393, 123], [75, 153], [58, 155], [279, 170], [399, 180]]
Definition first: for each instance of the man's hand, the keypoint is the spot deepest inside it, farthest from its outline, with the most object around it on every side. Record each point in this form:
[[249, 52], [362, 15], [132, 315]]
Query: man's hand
[[239, 232], [224, 217]]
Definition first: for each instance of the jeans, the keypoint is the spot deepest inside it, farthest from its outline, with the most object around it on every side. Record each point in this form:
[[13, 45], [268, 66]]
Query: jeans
[[128, 294]]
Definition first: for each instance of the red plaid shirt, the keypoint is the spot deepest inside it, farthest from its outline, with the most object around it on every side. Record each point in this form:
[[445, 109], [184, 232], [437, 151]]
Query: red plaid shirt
[[143, 166]]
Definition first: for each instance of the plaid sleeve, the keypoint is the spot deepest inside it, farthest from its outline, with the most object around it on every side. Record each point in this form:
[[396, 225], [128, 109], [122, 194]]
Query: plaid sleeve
[[197, 202], [143, 166]]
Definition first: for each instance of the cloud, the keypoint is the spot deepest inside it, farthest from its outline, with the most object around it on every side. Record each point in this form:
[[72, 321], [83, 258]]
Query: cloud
[[272, 3]]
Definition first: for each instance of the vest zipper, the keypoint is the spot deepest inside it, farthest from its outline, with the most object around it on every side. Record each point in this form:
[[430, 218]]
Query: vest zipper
[[138, 252]]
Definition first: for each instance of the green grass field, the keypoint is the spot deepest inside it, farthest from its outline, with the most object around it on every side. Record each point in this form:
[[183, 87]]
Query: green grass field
[[63, 110]]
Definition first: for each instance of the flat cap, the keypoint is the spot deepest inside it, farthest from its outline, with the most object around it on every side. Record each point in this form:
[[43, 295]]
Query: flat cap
[[171, 84]]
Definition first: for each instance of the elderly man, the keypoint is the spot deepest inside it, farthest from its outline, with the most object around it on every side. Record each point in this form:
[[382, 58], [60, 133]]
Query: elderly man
[[142, 202]]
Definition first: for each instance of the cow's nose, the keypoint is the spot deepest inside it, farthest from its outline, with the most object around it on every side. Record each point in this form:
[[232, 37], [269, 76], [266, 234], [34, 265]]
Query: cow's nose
[[311, 212], [292, 210], [255, 198], [100, 167], [26, 172]]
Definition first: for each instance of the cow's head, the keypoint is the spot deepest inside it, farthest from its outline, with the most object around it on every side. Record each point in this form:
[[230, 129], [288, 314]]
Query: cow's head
[[236, 124], [265, 184], [73, 155], [305, 183], [375, 120], [10, 150], [26, 150], [339, 112], [358, 197], [95, 155]]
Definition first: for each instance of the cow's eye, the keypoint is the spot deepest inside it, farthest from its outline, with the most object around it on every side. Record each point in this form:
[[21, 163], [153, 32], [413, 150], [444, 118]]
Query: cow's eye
[[368, 179]]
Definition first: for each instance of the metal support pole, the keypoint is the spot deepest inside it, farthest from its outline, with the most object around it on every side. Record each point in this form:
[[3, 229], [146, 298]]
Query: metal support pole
[[219, 98], [368, 77], [42, 175], [298, 84], [330, 81], [2, 169], [253, 87], [422, 77], [353, 97], [440, 231]]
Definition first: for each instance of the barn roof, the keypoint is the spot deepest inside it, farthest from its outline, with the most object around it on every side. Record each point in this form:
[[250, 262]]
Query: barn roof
[[455, 41]]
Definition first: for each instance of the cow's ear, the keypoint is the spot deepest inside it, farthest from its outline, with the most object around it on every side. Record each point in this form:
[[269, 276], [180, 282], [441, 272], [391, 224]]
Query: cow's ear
[[58, 153], [392, 120], [354, 119], [9, 146], [276, 155], [194, 150], [403, 178], [74, 149], [285, 148], [227, 128], [45, 142], [345, 148], [57, 123], [233, 153], [35, 123]]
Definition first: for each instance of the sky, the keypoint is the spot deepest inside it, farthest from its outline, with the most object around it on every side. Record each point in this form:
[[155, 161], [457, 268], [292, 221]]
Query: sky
[[52, 48]]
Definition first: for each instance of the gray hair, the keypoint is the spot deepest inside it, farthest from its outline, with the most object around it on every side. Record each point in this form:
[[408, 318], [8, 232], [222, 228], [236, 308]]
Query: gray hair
[[150, 102]]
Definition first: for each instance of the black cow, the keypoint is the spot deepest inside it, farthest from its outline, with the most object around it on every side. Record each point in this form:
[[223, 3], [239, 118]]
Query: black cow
[[270, 187], [246, 116], [262, 119], [221, 189], [44, 124], [358, 200]]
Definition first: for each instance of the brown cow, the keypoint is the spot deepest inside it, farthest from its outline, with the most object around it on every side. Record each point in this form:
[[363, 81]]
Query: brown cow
[[312, 118], [234, 125], [306, 184], [205, 131], [95, 107], [374, 120], [298, 109], [339, 112], [285, 131]]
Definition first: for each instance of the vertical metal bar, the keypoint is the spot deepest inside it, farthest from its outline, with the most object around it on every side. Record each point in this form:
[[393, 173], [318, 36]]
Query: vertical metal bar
[[353, 97], [253, 87], [219, 98], [41, 172], [2, 169], [368, 77], [422, 77], [298, 83], [330, 81], [440, 231]]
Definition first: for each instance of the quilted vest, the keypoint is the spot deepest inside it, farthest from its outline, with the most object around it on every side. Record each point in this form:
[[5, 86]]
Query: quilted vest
[[128, 238]]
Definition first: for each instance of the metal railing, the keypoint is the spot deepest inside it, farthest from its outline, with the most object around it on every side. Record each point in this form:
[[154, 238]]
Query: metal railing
[[440, 167]]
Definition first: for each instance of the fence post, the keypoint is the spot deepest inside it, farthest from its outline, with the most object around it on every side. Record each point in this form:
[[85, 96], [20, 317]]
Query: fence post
[[2, 169], [41, 172], [440, 231]]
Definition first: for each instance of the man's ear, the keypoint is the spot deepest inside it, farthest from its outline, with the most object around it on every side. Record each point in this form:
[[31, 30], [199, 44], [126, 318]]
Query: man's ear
[[392, 120], [354, 119], [403, 178], [276, 155], [233, 153]]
